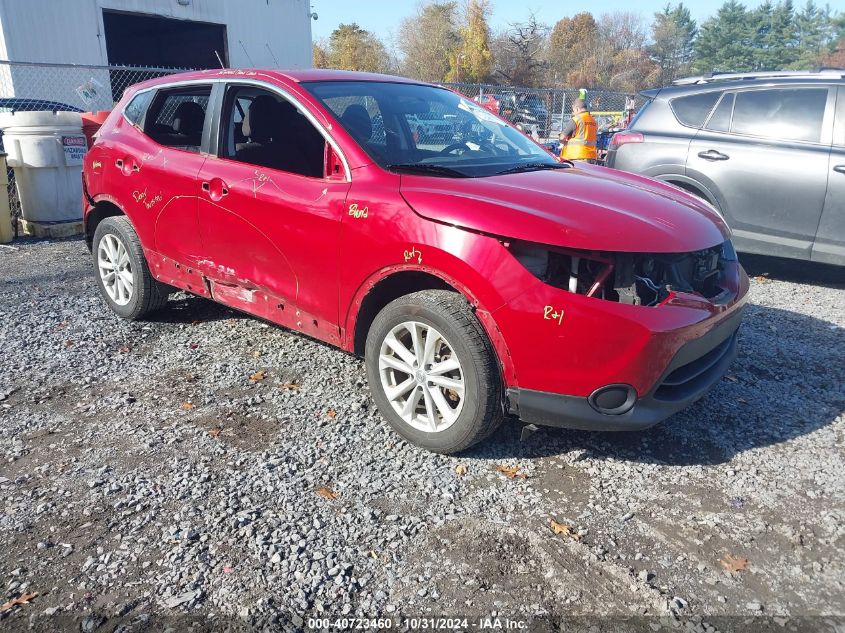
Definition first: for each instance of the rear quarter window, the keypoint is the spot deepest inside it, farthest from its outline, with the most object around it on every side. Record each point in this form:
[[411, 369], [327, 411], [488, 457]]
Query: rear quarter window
[[692, 110], [135, 109]]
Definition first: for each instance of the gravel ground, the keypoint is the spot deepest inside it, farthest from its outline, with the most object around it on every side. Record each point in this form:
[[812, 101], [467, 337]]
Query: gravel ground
[[210, 467]]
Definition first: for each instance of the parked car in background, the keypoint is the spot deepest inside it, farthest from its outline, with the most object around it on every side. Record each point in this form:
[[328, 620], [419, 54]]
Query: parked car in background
[[526, 111], [23, 104], [477, 276], [431, 127], [490, 102], [766, 150]]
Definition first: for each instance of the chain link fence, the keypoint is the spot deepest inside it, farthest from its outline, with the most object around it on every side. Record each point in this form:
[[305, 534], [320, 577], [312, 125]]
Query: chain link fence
[[27, 86], [547, 110]]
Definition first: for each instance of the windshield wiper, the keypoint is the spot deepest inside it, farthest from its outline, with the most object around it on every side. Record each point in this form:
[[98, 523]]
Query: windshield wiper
[[423, 168], [535, 167]]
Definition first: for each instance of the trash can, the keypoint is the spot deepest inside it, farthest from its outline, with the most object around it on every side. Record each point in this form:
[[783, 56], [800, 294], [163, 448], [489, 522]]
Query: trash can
[[6, 230], [46, 150], [91, 122]]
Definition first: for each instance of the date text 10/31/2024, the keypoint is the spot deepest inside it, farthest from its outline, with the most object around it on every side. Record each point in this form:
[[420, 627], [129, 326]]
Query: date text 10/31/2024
[[417, 624]]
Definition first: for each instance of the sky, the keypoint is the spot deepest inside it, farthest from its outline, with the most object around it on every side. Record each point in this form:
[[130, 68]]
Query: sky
[[382, 17]]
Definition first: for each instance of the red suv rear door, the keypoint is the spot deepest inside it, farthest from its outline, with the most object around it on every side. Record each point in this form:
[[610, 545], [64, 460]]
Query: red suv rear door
[[157, 169]]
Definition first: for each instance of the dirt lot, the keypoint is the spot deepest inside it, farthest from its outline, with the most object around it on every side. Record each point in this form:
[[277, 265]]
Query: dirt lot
[[207, 468]]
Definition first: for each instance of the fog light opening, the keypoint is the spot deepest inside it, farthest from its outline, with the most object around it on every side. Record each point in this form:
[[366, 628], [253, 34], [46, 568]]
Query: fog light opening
[[613, 399]]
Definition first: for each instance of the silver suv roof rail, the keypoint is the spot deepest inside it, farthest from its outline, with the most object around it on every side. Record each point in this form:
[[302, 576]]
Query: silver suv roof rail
[[837, 73]]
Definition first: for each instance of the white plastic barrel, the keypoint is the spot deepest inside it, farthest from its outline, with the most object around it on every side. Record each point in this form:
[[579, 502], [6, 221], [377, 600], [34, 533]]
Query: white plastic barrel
[[46, 150]]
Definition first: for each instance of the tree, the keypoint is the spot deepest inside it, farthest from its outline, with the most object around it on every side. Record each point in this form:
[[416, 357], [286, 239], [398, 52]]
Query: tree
[[519, 52], [836, 56], [774, 38], [353, 48], [725, 42], [571, 45], [320, 54], [816, 33], [621, 61], [428, 41], [673, 32], [472, 61]]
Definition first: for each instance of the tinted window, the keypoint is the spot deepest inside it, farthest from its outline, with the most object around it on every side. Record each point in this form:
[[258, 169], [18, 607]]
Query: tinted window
[[721, 119], [790, 114], [693, 110], [264, 129], [134, 111], [177, 116]]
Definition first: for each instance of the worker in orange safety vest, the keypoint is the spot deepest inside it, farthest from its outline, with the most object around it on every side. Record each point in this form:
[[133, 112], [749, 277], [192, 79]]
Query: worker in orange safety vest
[[578, 138]]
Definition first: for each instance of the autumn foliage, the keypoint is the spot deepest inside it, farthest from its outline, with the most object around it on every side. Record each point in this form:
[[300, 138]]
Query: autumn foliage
[[445, 40]]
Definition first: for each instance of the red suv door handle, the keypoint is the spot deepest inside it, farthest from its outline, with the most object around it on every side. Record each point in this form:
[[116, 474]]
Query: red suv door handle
[[215, 188], [712, 154]]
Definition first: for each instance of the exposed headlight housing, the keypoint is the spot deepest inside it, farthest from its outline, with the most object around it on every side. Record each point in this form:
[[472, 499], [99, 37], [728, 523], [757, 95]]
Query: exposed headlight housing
[[633, 278]]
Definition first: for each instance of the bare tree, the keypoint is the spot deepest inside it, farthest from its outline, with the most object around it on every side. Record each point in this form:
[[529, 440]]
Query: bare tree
[[519, 52], [618, 59]]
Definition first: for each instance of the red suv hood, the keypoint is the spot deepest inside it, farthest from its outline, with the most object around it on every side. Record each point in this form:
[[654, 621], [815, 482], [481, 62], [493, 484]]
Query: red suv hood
[[586, 208]]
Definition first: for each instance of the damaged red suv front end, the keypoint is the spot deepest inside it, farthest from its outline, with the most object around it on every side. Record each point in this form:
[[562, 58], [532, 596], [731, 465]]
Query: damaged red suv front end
[[629, 294], [476, 274]]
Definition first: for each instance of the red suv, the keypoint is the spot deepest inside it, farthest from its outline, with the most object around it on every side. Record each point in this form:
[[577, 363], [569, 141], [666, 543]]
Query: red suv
[[478, 276]]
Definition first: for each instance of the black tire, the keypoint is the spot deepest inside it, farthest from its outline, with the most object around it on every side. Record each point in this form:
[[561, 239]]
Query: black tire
[[148, 295], [451, 315]]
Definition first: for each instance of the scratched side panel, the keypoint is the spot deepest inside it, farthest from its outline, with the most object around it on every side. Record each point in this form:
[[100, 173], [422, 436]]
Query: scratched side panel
[[275, 232], [155, 186]]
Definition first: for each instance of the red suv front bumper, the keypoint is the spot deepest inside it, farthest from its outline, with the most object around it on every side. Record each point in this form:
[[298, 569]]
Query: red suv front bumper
[[601, 365]]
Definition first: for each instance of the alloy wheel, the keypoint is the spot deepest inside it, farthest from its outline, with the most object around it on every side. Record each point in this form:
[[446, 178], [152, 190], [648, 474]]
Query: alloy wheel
[[421, 376], [115, 269]]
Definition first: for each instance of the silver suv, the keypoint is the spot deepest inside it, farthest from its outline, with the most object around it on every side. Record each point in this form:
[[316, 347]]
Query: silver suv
[[767, 150]]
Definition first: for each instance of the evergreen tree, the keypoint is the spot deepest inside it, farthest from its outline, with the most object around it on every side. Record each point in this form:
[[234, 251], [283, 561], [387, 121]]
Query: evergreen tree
[[775, 39], [571, 45], [725, 42], [673, 32], [815, 33], [354, 48]]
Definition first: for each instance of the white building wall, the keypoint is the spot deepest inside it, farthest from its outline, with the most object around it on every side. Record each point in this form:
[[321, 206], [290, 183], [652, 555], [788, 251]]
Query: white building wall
[[71, 31], [260, 33]]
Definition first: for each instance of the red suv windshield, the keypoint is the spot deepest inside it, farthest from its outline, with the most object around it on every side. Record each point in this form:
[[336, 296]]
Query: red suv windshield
[[434, 129]]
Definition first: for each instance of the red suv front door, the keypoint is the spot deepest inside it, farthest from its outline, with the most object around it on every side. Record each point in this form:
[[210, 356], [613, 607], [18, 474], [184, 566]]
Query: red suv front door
[[269, 220]]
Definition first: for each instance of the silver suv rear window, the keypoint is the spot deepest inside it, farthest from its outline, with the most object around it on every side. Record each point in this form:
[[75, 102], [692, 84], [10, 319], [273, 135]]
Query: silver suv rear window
[[692, 110]]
